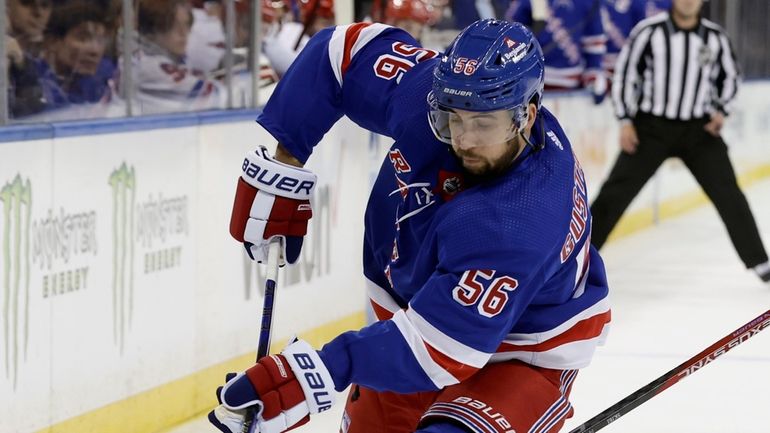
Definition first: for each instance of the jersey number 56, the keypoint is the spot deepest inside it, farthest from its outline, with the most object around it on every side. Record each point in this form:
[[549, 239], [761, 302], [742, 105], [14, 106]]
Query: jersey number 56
[[489, 294], [390, 66]]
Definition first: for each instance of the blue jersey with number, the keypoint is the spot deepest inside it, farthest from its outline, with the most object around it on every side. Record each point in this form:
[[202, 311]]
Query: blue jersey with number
[[460, 274]]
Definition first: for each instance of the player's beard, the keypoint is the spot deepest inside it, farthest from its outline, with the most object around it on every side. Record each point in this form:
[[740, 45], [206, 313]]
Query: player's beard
[[484, 168]]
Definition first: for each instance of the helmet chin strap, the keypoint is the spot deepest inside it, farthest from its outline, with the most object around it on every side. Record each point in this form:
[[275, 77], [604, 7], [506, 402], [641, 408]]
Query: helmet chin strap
[[526, 139]]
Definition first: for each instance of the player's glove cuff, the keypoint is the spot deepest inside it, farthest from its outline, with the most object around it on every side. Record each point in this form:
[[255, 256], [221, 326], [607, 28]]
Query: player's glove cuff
[[312, 375], [264, 173]]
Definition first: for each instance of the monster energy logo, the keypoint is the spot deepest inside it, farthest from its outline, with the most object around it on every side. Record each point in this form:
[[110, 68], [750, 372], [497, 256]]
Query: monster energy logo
[[123, 183], [16, 199]]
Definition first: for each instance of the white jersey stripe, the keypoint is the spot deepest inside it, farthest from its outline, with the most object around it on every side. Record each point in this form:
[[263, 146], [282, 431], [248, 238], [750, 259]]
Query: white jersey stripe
[[675, 71], [337, 51], [446, 344], [572, 355], [338, 40], [730, 86], [538, 337], [381, 297], [437, 374], [366, 35]]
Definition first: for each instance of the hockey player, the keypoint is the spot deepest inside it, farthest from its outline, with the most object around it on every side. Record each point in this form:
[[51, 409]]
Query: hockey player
[[618, 18], [477, 254], [573, 42]]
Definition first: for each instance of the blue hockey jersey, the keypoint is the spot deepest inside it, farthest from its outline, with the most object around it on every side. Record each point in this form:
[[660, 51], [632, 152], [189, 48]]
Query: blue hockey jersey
[[619, 17], [573, 40], [460, 274]]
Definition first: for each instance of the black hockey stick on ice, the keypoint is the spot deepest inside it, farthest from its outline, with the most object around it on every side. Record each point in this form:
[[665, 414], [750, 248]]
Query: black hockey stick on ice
[[263, 347], [680, 372]]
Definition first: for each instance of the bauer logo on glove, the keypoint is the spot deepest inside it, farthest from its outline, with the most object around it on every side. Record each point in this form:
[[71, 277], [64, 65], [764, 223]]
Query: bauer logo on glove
[[284, 390], [272, 200]]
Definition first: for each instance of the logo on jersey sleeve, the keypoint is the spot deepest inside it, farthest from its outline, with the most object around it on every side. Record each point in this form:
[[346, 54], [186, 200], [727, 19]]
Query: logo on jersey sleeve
[[400, 164]]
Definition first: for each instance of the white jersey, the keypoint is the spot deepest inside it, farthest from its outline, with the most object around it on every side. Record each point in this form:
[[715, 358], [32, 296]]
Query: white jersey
[[164, 84], [206, 44], [279, 45]]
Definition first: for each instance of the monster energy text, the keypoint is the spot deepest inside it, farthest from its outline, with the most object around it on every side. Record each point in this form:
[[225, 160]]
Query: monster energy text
[[61, 238], [159, 222]]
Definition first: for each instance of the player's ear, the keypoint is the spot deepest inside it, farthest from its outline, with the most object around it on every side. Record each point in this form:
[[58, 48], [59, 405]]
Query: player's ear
[[531, 115]]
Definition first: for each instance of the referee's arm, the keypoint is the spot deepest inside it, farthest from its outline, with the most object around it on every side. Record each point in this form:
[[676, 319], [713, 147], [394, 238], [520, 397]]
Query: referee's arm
[[628, 70], [728, 75]]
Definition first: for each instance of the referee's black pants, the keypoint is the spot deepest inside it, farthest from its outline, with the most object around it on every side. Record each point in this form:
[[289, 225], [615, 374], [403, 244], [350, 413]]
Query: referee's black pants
[[706, 158]]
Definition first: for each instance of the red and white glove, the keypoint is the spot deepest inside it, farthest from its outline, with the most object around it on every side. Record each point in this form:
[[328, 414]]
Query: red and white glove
[[283, 389], [272, 199]]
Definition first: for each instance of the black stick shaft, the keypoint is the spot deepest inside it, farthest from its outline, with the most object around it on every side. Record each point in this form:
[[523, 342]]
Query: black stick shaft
[[673, 376]]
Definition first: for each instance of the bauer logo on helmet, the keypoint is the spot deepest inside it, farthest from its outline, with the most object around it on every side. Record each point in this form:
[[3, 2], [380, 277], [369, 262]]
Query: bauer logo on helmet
[[457, 92]]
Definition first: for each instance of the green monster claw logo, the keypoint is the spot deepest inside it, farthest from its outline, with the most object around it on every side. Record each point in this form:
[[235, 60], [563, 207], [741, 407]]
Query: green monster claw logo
[[16, 199], [123, 183]]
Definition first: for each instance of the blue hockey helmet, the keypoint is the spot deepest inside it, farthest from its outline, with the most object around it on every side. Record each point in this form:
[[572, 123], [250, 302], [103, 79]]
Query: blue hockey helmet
[[491, 65]]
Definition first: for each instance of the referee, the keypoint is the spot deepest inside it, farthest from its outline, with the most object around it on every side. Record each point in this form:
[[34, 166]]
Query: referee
[[674, 81]]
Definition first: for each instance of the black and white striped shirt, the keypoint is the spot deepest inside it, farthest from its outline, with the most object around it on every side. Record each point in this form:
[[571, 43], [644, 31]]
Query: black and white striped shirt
[[673, 73]]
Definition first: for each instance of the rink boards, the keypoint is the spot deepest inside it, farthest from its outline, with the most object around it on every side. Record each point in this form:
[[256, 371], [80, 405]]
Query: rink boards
[[124, 300]]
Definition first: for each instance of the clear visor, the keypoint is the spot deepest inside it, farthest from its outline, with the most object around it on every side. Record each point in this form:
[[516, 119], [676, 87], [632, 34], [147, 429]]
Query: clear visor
[[476, 128]]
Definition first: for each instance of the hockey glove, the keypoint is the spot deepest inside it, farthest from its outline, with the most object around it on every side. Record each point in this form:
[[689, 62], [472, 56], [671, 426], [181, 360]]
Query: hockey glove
[[283, 389], [272, 199]]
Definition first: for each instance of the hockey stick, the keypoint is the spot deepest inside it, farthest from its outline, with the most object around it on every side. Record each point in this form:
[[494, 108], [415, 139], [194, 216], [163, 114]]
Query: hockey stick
[[263, 347], [274, 250], [685, 369]]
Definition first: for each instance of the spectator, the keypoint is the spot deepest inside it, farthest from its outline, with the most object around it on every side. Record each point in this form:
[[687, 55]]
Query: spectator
[[25, 92], [163, 81], [27, 20], [273, 12], [72, 66], [206, 44], [573, 41], [283, 44]]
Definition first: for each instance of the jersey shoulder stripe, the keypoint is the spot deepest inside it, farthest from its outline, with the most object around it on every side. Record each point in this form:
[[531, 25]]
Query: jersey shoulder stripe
[[348, 40]]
